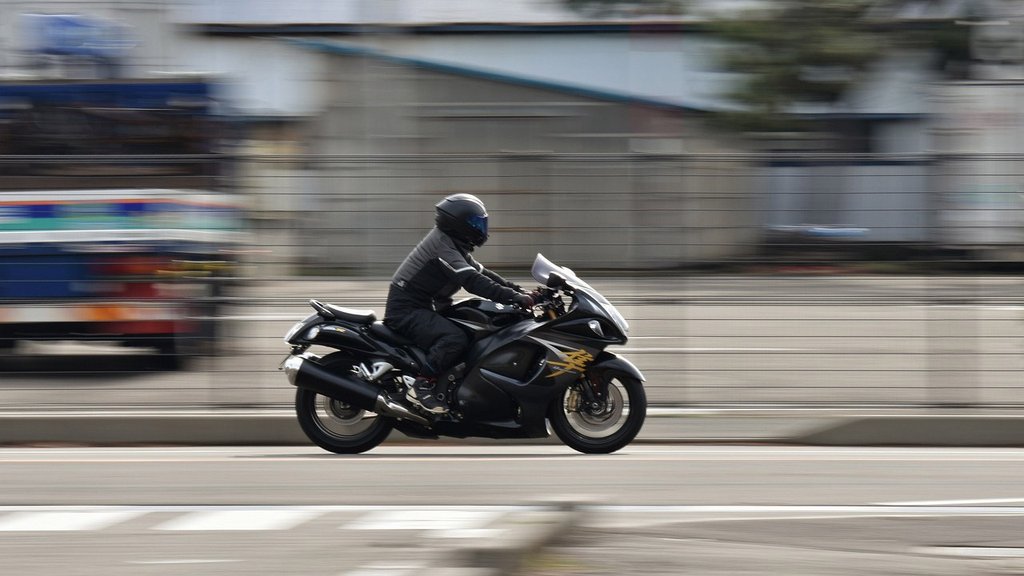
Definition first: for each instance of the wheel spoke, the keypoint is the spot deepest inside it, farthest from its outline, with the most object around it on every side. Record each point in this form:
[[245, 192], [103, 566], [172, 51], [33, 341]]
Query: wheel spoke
[[341, 420], [603, 421], [605, 424], [335, 425]]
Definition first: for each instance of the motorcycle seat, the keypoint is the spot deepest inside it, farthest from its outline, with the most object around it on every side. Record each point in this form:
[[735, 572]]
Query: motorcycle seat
[[348, 314], [379, 330]]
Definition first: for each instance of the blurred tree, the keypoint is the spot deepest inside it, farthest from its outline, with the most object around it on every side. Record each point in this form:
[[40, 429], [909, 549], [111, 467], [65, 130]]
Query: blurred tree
[[812, 51], [794, 52], [798, 51], [947, 27]]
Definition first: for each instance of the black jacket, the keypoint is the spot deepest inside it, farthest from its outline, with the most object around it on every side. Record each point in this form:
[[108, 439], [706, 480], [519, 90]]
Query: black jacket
[[435, 270]]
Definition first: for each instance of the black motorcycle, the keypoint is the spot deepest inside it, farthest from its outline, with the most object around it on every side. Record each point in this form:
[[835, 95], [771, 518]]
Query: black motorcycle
[[524, 369]]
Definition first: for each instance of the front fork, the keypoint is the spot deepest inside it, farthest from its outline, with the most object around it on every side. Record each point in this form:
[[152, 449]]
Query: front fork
[[595, 381], [588, 395]]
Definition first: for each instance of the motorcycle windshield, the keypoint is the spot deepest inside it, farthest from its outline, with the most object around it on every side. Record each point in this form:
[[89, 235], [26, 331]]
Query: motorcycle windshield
[[542, 269]]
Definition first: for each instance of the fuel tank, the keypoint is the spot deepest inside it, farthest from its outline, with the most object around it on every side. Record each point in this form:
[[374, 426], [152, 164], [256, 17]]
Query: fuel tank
[[483, 316]]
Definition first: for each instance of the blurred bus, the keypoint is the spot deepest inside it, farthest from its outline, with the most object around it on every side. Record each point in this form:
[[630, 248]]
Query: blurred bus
[[116, 218]]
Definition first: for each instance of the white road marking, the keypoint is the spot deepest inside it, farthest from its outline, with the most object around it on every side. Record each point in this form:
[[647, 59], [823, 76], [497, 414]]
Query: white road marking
[[617, 517], [999, 307], [264, 519], [443, 520], [467, 533], [457, 521], [64, 521], [973, 551], [872, 509], [182, 561], [387, 570], [953, 502], [682, 350], [424, 520]]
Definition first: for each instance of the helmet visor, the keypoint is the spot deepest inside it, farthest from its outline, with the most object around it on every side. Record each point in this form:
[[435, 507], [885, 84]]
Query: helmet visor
[[479, 223]]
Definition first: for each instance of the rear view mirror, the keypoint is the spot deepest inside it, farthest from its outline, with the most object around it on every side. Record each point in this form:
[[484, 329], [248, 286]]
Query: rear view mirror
[[555, 280]]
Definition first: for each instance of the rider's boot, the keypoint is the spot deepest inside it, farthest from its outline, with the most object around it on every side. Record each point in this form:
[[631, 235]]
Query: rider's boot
[[428, 395]]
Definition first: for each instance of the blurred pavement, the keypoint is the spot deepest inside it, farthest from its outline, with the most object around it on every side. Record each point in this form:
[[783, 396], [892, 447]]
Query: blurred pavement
[[787, 358], [663, 425]]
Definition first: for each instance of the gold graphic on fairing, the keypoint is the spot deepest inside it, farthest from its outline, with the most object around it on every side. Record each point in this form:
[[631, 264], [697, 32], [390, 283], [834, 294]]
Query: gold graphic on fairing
[[575, 362]]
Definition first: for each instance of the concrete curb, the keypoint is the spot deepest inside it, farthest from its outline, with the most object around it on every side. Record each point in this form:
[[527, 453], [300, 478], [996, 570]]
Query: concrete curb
[[919, 430], [279, 428], [191, 429]]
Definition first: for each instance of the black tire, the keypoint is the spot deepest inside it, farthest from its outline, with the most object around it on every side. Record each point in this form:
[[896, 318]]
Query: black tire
[[336, 426], [604, 432]]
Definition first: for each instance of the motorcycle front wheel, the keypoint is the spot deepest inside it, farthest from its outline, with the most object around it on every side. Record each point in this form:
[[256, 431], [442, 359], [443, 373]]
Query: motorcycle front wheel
[[605, 427], [337, 426]]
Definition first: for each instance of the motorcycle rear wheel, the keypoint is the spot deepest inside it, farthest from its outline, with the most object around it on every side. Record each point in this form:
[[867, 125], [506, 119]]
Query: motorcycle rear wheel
[[607, 428], [337, 426]]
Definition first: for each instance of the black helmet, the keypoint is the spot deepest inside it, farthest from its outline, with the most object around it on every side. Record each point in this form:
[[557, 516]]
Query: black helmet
[[463, 217]]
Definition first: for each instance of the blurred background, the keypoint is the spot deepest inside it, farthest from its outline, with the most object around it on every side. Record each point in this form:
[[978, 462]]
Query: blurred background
[[810, 204]]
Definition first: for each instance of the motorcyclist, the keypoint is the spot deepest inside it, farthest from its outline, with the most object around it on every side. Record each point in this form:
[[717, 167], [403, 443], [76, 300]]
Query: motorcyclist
[[424, 284]]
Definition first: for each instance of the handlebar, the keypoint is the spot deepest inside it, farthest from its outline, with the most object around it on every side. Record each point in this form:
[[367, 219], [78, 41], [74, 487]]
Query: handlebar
[[549, 302]]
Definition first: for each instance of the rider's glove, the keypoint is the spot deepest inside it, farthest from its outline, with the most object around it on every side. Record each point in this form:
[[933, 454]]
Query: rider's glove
[[524, 301]]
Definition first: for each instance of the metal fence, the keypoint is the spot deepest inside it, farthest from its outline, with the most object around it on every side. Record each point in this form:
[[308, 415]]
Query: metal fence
[[748, 280], [598, 211]]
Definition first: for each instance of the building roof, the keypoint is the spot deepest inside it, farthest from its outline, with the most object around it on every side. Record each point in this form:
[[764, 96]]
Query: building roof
[[600, 68], [678, 72], [424, 12]]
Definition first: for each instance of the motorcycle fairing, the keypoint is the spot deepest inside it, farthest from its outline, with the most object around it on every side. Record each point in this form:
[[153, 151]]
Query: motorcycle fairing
[[497, 394], [607, 362], [482, 317], [299, 332], [555, 354], [359, 339]]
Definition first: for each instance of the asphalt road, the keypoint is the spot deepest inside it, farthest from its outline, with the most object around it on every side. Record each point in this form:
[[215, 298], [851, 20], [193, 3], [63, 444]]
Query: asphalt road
[[663, 509]]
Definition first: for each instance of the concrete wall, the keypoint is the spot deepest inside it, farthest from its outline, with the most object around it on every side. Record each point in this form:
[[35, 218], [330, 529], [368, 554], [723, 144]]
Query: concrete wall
[[559, 172], [604, 211], [891, 199]]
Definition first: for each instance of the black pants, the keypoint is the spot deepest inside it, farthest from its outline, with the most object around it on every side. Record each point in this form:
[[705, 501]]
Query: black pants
[[444, 342]]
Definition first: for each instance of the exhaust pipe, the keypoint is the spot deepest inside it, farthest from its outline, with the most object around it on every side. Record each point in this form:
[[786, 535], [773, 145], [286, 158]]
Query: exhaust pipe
[[305, 373]]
